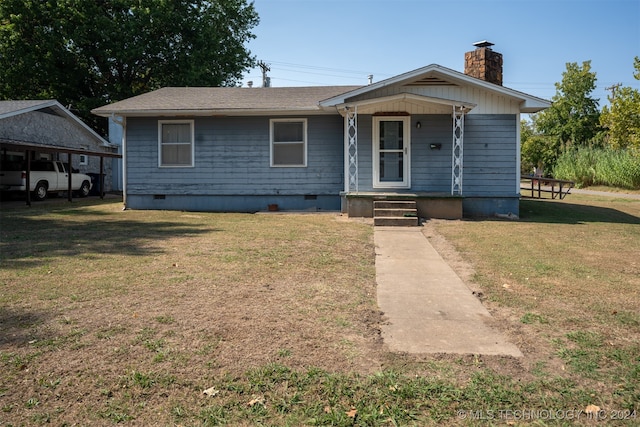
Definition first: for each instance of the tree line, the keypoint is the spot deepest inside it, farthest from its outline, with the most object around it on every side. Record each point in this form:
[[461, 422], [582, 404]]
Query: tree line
[[575, 140], [88, 53]]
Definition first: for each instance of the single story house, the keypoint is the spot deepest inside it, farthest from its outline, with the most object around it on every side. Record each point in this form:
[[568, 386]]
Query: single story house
[[46, 130], [447, 139]]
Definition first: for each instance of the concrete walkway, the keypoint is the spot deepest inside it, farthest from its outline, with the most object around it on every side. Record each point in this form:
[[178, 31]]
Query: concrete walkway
[[428, 307]]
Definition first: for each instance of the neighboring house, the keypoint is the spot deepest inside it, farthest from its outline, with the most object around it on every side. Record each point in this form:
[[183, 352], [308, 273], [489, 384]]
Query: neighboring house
[[447, 139], [45, 130]]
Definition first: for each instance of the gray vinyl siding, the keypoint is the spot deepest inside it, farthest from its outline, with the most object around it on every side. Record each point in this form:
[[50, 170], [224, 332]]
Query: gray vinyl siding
[[365, 153], [431, 169], [490, 150], [232, 170], [490, 155], [231, 157]]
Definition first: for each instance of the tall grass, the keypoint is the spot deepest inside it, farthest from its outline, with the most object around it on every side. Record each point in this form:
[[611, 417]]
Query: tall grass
[[588, 166]]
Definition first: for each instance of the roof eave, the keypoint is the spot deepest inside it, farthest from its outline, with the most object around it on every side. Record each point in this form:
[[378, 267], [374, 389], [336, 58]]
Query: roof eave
[[534, 105], [529, 103], [210, 112], [19, 145], [465, 106], [341, 99], [52, 103], [34, 107]]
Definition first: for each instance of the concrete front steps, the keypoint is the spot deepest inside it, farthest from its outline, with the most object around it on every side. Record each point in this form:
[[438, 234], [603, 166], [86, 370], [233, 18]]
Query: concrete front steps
[[395, 213]]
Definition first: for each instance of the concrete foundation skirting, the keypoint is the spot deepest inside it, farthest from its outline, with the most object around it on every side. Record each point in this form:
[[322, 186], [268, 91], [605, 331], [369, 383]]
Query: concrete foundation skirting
[[428, 205], [234, 203]]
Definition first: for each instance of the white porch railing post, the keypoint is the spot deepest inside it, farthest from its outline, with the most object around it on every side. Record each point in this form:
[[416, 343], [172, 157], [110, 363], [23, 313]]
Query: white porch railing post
[[351, 149], [457, 151]]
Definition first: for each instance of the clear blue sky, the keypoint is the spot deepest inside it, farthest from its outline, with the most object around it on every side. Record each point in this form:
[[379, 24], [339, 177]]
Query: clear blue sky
[[340, 42]]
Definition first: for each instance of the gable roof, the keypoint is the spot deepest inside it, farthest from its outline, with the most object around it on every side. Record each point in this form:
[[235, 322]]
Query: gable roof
[[207, 101], [199, 101], [13, 108], [50, 106], [437, 75]]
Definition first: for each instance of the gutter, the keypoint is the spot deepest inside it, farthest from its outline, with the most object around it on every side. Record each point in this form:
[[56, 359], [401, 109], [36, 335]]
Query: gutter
[[209, 113]]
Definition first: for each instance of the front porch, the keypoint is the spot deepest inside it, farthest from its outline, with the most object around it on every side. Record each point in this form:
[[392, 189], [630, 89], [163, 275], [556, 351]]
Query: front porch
[[403, 148], [429, 205]]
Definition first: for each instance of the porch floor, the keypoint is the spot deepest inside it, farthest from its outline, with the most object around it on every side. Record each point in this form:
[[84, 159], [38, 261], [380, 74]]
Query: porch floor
[[398, 194]]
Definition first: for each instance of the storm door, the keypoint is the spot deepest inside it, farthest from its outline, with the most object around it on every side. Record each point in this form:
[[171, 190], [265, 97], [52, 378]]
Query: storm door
[[391, 152]]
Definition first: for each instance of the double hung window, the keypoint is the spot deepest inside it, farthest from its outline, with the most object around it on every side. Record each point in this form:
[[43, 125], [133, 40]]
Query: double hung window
[[288, 142], [175, 140]]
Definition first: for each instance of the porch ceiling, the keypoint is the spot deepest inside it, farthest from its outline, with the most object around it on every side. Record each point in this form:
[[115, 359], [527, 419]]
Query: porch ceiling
[[406, 102]]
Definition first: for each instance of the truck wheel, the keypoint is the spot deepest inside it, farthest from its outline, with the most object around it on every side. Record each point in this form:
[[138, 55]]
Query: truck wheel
[[40, 193], [85, 188]]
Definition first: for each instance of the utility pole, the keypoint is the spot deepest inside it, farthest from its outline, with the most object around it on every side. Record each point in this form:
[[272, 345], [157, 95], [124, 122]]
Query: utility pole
[[613, 89], [266, 81]]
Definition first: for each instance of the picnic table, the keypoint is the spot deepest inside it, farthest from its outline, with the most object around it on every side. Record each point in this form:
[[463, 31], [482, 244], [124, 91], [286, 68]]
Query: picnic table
[[537, 186]]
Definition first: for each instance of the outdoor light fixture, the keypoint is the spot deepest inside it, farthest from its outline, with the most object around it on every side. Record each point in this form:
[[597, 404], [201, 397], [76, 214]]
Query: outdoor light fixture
[[435, 146], [418, 125]]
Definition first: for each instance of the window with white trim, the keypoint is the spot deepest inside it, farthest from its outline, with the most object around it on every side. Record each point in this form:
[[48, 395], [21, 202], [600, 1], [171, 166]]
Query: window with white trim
[[84, 160], [288, 142], [175, 143]]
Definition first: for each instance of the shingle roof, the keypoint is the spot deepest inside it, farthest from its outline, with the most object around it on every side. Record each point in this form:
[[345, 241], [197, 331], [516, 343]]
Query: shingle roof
[[7, 107], [15, 108], [203, 100]]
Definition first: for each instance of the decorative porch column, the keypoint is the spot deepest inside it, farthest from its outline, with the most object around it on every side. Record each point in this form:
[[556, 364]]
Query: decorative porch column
[[457, 151], [351, 149]]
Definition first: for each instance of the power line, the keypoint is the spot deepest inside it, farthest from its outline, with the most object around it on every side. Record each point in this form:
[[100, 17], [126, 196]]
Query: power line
[[340, 73], [314, 67], [323, 74]]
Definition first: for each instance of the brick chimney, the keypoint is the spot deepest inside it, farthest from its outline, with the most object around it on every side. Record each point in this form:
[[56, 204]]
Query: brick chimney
[[483, 63]]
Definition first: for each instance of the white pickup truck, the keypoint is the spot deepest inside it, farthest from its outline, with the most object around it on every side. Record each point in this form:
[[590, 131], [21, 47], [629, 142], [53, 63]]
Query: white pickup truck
[[46, 177]]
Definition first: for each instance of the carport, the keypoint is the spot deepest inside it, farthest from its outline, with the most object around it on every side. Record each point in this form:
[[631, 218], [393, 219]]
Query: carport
[[29, 148]]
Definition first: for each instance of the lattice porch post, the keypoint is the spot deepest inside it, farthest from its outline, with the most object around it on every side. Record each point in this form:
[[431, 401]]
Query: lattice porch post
[[351, 149], [457, 152]]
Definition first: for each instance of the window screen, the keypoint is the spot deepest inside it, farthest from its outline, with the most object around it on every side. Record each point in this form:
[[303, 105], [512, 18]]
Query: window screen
[[176, 144], [288, 143]]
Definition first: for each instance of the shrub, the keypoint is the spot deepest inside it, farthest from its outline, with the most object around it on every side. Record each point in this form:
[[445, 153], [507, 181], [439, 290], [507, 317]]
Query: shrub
[[599, 166]]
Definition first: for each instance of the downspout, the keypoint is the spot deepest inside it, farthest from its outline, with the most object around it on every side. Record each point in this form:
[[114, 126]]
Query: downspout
[[518, 154]]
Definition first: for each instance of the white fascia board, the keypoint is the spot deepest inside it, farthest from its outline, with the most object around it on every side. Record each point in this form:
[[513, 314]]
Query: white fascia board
[[34, 107], [55, 104], [467, 106], [340, 99], [213, 113], [529, 103], [75, 118], [534, 105]]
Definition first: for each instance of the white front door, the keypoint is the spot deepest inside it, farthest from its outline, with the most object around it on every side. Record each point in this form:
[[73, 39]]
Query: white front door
[[391, 144]]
